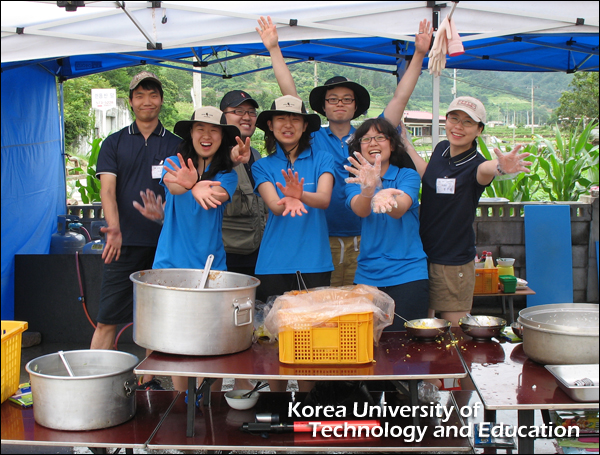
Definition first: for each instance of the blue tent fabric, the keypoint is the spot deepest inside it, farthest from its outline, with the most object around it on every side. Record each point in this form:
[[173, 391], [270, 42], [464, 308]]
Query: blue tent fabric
[[33, 183]]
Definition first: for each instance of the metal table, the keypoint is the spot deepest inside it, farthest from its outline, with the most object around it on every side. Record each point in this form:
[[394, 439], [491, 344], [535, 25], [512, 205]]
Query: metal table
[[397, 358], [507, 379], [20, 428], [510, 296]]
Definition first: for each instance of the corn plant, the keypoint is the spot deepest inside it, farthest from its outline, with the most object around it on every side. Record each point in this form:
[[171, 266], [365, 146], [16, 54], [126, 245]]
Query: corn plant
[[90, 190], [570, 164], [518, 188]]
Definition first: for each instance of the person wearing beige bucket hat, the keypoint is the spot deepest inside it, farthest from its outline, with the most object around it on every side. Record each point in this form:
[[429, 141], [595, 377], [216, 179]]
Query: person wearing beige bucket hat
[[341, 101], [453, 181], [295, 181]]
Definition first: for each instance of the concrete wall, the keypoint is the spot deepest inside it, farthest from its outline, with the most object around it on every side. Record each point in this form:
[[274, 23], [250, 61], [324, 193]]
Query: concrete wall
[[499, 228]]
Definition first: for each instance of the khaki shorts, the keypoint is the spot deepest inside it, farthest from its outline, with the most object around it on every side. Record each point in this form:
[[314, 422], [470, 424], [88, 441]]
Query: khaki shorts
[[344, 252], [451, 287]]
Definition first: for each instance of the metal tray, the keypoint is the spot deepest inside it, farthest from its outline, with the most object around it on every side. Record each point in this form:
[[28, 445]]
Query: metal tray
[[566, 375]]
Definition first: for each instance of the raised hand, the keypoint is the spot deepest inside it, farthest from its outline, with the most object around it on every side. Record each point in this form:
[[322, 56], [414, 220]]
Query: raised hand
[[293, 187], [423, 37], [292, 206], [367, 175], [153, 208], [184, 175], [205, 194], [385, 200], [268, 32], [513, 162], [240, 154]]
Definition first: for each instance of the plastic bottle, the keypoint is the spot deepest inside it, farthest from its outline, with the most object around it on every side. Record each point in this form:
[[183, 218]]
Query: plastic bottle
[[489, 262]]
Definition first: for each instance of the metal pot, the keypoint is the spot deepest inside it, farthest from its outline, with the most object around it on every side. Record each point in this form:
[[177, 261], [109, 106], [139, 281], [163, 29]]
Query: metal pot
[[172, 314], [99, 395], [561, 333]]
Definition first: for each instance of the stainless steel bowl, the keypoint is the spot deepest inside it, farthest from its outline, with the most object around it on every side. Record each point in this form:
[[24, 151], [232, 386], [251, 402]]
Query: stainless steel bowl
[[482, 327], [427, 328]]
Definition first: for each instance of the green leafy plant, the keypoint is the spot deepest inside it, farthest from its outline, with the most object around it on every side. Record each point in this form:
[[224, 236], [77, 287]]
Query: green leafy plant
[[520, 188], [570, 163], [90, 190]]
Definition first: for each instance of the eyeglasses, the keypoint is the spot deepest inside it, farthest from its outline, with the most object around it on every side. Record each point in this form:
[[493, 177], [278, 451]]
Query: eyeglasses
[[378, 138], [242, 112], [469, 123], [334, 100]]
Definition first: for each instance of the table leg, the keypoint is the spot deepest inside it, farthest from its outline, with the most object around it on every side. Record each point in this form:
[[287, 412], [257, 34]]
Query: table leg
[[191, 406], [511, 308], [412, 392], [526, 419]]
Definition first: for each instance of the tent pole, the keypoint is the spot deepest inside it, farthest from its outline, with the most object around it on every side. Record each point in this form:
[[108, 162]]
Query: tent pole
[[435, 113], [62, 140]]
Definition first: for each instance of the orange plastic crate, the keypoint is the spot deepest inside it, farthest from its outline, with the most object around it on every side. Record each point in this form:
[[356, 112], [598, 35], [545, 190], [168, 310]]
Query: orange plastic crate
[[346, 339], [11, 356], [486, 281]]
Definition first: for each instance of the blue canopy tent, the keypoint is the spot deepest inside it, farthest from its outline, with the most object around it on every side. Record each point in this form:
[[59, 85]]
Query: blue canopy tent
[[43, 44]]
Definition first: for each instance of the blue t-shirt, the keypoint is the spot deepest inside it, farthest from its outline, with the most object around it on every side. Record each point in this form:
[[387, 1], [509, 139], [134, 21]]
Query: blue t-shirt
[[190, 233], [391, 252], [299, 243], [341, 221], [130, 157]]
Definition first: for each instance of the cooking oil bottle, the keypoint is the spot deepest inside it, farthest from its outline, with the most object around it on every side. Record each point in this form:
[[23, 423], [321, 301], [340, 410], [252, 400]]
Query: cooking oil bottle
[[489, 262]]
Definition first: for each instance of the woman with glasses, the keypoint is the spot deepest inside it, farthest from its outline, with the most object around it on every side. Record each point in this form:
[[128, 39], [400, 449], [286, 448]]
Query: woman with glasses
[[453, 182], [384, 193]]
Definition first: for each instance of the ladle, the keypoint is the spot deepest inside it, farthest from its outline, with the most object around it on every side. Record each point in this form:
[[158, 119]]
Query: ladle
[[410, 323], [204, 278], [66, 363], [473, 319]]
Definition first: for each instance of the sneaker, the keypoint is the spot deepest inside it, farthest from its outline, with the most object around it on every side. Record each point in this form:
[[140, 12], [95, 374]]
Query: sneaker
[[198, 398], [153, 384]]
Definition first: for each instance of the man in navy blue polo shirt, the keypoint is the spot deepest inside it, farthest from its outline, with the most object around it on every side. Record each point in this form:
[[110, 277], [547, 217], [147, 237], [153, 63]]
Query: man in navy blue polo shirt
[[130, 161]]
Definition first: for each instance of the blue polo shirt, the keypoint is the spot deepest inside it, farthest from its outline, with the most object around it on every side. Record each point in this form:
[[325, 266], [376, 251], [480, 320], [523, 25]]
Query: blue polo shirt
[[190, 233], [295, 243], [391, 252], [341, 221], [130, 157]]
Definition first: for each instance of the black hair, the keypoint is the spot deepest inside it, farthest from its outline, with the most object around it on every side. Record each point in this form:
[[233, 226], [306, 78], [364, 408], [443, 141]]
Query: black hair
[[271, 142], [221, 160], [398, 156], [148, 84]]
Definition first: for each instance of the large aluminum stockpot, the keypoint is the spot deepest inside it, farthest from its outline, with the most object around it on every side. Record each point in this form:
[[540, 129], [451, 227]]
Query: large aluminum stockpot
[[561, 333], [99, 395], [172, 314]]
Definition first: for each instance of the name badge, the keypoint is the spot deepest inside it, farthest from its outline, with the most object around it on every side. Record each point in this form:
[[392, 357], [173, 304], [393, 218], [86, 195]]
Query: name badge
[[157, 172], [445, 186]]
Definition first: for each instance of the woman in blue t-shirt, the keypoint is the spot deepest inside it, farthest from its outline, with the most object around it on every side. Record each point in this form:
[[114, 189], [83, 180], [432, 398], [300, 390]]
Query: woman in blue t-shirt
[[198, 184], [384, 193], [295, 181]]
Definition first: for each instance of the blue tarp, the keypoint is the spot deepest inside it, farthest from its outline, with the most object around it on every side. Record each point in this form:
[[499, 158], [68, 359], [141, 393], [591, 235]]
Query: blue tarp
[[33, 182]]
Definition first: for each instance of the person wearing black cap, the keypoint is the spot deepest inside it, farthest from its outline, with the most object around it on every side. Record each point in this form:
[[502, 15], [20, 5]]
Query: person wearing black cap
[[130, 161], [341, 100], [295, 181], [244, 219]]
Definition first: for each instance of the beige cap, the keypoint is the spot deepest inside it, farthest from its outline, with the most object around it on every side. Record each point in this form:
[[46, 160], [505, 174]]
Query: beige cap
[[138, 78], [471, 106]]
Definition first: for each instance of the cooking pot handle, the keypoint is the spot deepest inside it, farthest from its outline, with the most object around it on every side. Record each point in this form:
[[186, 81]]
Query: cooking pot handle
[[243, 307], [131, 385]]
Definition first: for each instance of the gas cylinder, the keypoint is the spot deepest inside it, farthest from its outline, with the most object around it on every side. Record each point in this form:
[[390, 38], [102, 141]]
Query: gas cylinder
[[96, 246], [66, 241]]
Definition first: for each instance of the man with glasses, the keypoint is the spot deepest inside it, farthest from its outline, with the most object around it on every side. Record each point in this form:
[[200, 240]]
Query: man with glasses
[[245, 217], [341, 101]]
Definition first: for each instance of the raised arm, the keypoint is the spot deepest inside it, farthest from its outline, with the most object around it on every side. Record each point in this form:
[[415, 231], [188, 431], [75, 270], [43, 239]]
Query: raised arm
[[395, 108], [268, 33]]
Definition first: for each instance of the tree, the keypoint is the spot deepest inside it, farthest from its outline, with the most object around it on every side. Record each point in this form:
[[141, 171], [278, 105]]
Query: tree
[[582, 101]]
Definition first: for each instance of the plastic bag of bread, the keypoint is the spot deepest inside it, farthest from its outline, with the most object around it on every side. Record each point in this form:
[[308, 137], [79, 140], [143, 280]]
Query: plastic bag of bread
[[315, 307]]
